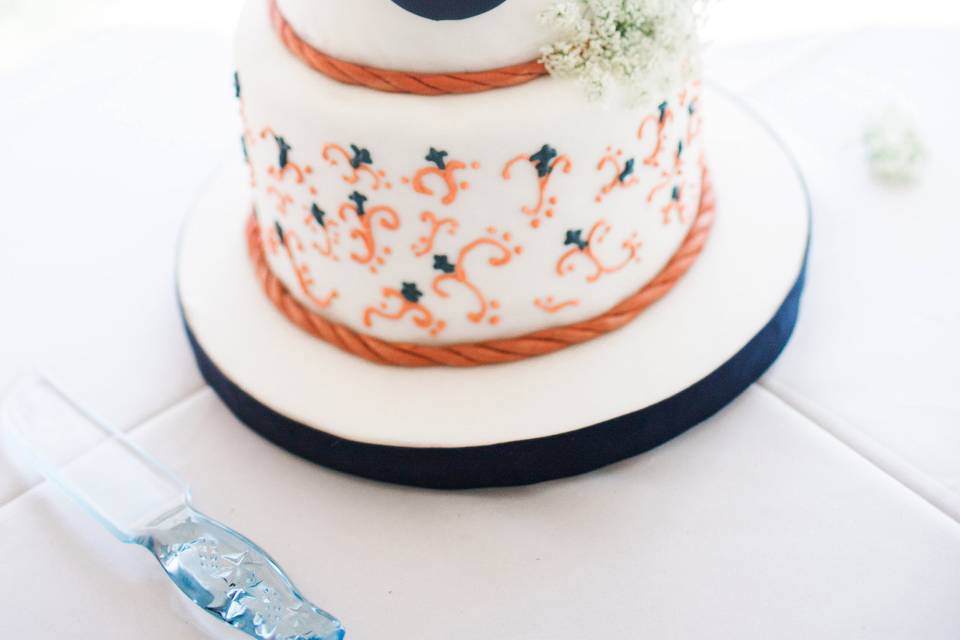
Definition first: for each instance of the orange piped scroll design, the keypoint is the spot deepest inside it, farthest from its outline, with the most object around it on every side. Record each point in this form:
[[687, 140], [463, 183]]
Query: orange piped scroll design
[[290, 168], [406, 354], [284, 199], [424, 243], [695, 120], [588, 249], [623, 177], [675, 202], [327, 229], [545, 203], [366, 221], [446, 171], [675, 180], [550, 305], [289, 240], [425, 84], [354, 167], [658, 123], [502, 256], [285, 166], [448, 177], [279, 172], [422, 317]]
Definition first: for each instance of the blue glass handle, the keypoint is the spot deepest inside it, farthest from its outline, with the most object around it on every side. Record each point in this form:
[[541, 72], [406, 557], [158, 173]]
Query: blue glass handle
[[140, 501], [233, 579]]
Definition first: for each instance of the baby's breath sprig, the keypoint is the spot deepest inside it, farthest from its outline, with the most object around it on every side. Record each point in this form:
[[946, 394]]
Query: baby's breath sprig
[[648, 47]]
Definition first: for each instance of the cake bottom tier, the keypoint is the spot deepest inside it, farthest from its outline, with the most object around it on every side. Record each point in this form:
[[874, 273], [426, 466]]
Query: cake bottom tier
[[497, 351], [461, 219], [539, 418]]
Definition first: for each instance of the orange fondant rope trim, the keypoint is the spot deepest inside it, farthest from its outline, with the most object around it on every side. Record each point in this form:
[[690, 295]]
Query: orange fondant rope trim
[[424, 84], [492, 351]]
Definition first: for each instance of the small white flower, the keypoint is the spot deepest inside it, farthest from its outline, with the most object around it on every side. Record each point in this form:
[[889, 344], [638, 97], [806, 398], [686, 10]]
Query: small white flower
[[646, 46], [895, 150]]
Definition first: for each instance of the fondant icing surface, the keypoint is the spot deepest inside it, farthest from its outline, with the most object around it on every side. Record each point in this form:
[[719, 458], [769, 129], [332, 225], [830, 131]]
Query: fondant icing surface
[[443, 220]]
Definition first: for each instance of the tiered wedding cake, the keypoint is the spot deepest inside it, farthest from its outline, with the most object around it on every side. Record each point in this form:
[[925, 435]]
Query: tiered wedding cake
[[436, 184], [458, 182]]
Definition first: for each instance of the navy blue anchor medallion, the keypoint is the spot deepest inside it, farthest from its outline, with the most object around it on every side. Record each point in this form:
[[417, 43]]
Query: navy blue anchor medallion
[[448, 9]]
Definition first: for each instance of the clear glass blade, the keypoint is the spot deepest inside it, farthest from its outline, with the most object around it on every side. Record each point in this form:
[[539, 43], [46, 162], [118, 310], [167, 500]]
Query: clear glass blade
[[141, 502], [111, 478]]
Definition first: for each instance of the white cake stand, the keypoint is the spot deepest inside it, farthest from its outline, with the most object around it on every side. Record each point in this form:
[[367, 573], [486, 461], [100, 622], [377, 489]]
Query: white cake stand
[[570, 412]]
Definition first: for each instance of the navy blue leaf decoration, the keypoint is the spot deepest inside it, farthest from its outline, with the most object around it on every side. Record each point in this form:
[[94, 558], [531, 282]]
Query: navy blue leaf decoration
[[448, 9]]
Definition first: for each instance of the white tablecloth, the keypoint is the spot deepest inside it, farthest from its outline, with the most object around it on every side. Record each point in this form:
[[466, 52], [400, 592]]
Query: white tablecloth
[[823, 504]]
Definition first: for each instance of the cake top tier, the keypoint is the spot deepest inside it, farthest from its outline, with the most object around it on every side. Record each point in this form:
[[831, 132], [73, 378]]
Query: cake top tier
[[423, 35], [432, 47]]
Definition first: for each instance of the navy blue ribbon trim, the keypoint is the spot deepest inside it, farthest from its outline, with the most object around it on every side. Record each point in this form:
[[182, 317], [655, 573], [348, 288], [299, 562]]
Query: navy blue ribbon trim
[[526, 461]]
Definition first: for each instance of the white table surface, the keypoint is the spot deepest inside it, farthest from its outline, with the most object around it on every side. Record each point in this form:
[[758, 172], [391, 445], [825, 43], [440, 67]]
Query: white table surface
[[823, 504]]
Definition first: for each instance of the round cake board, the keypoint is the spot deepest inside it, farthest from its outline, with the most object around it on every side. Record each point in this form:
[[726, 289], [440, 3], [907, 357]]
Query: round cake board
[[543, 418]]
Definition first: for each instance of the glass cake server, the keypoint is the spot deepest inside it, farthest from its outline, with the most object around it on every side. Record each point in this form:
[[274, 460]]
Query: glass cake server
[[141, 502]]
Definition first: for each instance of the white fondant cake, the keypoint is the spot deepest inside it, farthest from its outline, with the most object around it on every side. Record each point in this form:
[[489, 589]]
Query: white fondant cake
[[455, 218], [422, 200]]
